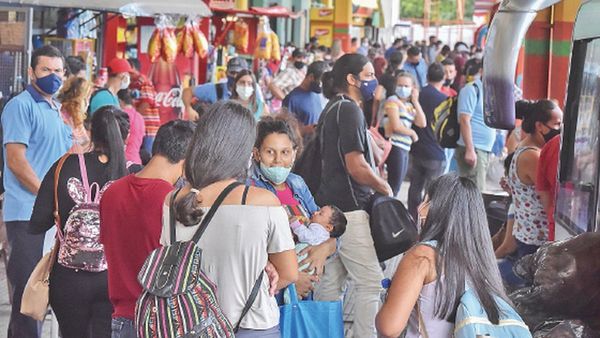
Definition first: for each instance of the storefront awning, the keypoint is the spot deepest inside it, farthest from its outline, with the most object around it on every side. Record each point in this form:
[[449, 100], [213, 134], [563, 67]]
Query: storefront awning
[[366, 3], [274, 11], [126, 7]]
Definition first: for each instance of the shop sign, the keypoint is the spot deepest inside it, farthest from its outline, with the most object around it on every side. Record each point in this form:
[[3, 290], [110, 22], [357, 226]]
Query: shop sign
[[321, 14]]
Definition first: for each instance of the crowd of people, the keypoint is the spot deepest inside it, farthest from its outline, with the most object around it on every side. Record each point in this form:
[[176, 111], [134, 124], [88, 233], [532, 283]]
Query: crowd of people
[[96, 164]]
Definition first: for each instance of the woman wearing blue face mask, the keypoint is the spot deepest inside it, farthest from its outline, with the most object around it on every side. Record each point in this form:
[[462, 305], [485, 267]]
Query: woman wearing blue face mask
[[274, 154], [401, 111]]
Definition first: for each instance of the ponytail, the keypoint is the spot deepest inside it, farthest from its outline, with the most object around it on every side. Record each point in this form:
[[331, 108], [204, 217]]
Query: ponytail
[[108, 140]]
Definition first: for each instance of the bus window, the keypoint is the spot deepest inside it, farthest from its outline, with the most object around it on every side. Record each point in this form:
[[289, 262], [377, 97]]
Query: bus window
[[576, 204]]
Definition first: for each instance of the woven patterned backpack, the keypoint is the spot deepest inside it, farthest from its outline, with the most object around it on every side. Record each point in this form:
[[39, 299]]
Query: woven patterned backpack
[[178, 299]]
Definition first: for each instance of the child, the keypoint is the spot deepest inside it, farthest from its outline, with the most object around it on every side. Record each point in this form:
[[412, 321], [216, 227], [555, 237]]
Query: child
[[329, 222]]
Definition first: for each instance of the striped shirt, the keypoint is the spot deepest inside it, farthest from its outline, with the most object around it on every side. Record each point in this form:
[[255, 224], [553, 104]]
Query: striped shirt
[[407, 116]]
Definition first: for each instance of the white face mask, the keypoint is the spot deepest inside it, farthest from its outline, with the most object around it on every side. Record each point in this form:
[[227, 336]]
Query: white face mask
[[126, 81], [244, 91]]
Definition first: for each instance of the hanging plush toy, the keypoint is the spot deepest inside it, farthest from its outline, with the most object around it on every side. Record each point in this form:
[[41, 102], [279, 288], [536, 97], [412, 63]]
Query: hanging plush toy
[[240, 36]]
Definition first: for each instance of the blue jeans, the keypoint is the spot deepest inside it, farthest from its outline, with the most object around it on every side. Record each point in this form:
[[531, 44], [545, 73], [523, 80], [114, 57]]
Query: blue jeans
[[422, 171], [123, 328], [397, 166], [506, 264], [25, 253]]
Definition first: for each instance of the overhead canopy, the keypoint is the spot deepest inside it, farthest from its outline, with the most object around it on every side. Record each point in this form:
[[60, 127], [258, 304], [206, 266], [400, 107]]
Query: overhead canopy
[[126, 7], [372, 4], [273, 11]]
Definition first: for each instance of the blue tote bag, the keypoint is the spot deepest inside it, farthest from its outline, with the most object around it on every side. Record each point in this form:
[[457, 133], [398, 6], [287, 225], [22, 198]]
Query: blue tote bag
[[310, 319]]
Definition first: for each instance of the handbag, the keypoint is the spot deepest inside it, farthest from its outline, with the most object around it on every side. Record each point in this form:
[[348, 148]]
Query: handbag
[[310, 319], [34, 302]]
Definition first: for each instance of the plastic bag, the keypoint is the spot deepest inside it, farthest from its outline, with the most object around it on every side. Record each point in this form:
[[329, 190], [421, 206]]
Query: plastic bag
[[185, 41], [169, 45], [200, 42], [565, 329], [566, 282], [155, 45], [275, 47]]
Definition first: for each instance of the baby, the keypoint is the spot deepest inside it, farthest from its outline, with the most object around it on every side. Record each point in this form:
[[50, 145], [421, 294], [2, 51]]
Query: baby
[[329, 222]]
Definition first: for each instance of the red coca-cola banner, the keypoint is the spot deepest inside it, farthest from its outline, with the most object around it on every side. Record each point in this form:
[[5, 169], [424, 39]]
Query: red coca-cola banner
[[167, 83]]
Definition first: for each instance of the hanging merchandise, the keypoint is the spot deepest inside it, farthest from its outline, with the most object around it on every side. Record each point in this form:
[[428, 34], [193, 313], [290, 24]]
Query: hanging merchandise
[[169, 44], [275, 47], [264, 46], [185, 40], [240, 37], [155, 45], [200, 42]]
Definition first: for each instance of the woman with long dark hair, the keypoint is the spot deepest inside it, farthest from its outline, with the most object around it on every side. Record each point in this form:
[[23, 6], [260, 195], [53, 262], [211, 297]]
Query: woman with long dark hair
[[455, 251], [248, 230], [79, 293], [244, 92]]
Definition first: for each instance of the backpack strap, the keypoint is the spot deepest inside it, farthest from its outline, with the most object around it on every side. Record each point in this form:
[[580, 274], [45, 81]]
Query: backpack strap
[[245, 194], [250, 300], [59, 166], [213, 209], [172, 231]]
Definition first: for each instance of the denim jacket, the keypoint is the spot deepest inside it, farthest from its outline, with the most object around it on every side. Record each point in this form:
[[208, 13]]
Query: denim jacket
[[296, 183]]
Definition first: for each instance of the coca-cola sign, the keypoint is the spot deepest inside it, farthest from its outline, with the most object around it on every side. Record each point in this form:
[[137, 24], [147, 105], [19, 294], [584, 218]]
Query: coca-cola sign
[[170, 99]]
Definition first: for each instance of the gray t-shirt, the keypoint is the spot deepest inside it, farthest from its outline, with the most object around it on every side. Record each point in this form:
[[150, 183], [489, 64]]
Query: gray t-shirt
[[235, 249]]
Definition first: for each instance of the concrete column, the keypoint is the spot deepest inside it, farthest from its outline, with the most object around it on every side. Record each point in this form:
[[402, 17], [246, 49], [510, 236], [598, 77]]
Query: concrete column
[[565, 13], [343, 22]]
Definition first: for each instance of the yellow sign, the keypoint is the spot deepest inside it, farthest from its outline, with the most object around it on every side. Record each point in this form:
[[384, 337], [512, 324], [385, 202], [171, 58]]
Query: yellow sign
[[323, 32], [321, 14]]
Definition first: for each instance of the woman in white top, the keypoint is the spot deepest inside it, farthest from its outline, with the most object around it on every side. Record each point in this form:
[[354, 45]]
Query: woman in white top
[[241, 239], [455, 251]]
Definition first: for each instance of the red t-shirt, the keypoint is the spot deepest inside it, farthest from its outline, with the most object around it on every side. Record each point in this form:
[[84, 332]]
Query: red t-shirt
[[130, 228], [547, 173]]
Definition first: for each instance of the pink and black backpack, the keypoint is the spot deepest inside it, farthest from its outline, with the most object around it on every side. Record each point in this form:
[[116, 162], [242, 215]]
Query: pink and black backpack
[[80, 246]]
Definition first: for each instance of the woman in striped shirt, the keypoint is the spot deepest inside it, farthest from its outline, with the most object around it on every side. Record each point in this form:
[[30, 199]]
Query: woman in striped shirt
[[401, 111]]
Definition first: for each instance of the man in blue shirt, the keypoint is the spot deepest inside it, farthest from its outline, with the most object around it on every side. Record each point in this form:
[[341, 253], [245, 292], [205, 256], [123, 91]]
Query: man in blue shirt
[[394, 48], [416, 65], [210, 93], [305, 101], [427, 158], [476, 138], [35, 137]]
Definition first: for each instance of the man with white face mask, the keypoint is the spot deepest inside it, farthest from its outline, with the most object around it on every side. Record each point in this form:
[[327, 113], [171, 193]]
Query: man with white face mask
[[118, 78]]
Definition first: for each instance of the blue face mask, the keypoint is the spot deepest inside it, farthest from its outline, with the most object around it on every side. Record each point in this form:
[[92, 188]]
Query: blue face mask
[[276, 175], [403, 92], [367, 89], [49, 84]]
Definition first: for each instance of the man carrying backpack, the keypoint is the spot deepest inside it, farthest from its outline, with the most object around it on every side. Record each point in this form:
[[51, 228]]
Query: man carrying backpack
[[131, 220], [426, 156], [476, 138]]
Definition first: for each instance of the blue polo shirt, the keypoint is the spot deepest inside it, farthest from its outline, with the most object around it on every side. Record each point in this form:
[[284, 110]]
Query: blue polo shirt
[[470, 102], [418, 71], [305, 105], [30, 120]]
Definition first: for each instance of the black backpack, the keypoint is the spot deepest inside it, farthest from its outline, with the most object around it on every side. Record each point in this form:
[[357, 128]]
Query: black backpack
[[393, 229], [310, 163], [445, 124]]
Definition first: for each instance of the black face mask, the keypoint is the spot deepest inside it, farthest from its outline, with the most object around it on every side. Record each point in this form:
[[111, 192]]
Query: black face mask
[[447, 83], [316, 87], [550, 135], [299, 64]]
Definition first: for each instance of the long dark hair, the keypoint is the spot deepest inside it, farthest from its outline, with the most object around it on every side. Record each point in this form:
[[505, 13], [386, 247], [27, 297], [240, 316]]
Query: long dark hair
[[456, 220], [539, 111], [107, 140], [335, 82], [234, 93], [220, 150]]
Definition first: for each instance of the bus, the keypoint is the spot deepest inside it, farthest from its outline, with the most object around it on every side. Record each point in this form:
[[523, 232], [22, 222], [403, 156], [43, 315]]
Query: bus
[[577, 207]]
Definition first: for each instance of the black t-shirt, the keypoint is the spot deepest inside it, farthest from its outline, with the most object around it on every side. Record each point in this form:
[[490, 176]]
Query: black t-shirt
[[42, 218], [340, 137], [427, 147]]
